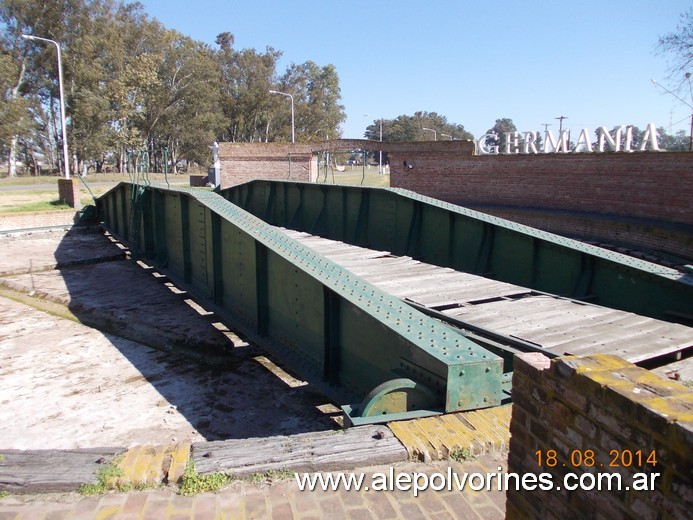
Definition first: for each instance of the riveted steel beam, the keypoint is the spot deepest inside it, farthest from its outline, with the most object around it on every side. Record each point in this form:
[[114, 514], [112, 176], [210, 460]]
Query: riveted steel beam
[[338, 331]]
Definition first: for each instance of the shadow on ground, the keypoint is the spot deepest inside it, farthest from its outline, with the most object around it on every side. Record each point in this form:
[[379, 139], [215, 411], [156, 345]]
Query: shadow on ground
[[209, 383]]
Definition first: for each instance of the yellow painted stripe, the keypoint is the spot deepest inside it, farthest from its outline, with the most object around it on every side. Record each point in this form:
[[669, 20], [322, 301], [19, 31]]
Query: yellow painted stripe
[[127, 464], [180, 453], [410, 439], [153, 472], [432, 438]]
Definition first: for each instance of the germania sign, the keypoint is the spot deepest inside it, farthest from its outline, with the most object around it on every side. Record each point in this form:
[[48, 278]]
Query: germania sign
[[527, 142]]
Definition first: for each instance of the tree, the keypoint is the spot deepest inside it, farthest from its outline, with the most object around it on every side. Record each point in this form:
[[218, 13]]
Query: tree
[[92, 51], [16, 69], [409, 128], [15, 118], [132, 79], [133, 87], [105, 69], [183, 112], [246, 78], [499, 129], [58, 21], [679, 44], [680, 141], [316, 94], [402, 128]]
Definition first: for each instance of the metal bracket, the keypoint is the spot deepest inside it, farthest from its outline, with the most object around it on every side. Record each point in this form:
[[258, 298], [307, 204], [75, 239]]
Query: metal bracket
[[395, 399]]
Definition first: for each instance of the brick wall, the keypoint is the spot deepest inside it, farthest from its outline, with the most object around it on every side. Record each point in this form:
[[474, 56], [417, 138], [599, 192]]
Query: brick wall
[[603, 407], [643, 199], [243, 162]]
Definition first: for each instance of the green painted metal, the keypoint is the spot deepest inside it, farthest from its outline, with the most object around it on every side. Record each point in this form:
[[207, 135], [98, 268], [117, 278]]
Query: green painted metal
[[397, 399], [397, 396], [443, 234], [338, 331]]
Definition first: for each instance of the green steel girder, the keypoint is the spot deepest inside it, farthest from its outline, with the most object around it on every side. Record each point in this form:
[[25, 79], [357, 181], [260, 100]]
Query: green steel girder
[[443, 234], [338, 331]]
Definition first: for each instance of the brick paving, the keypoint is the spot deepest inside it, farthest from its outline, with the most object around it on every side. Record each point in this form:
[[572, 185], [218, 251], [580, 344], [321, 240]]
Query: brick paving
[[279, 500]]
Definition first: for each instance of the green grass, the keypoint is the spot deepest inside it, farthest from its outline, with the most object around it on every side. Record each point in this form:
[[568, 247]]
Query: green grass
[[24, 180], [355, 178], [461, 455], [105, 478], [41, 192], [27, 180], [192, 483], [40, 205], [43, 198]]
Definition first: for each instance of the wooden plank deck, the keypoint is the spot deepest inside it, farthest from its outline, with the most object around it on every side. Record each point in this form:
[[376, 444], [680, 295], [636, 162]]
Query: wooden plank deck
[[559, 325]]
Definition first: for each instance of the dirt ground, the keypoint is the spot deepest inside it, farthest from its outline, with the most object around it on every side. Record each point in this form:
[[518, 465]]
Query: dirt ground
[[98, 350]]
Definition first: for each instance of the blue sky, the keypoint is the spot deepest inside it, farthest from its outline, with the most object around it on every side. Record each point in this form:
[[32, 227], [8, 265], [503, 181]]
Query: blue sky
[[473, 62]]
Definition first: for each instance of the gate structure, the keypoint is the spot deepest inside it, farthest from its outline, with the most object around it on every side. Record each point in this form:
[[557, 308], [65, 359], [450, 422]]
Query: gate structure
[[379, 357]]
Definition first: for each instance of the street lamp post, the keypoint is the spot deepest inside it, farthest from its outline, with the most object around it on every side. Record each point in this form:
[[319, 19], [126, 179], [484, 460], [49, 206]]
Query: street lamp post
[[293, 134], [688, 76], [435, 134], [66, 159], [447, 135], [380, 152]]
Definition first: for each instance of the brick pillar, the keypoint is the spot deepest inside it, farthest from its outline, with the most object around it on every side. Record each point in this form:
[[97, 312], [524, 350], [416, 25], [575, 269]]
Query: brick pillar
[[68, 192], [599, 416]]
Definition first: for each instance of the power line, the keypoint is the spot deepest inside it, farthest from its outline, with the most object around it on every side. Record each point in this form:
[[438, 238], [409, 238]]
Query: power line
[[677, 122]]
